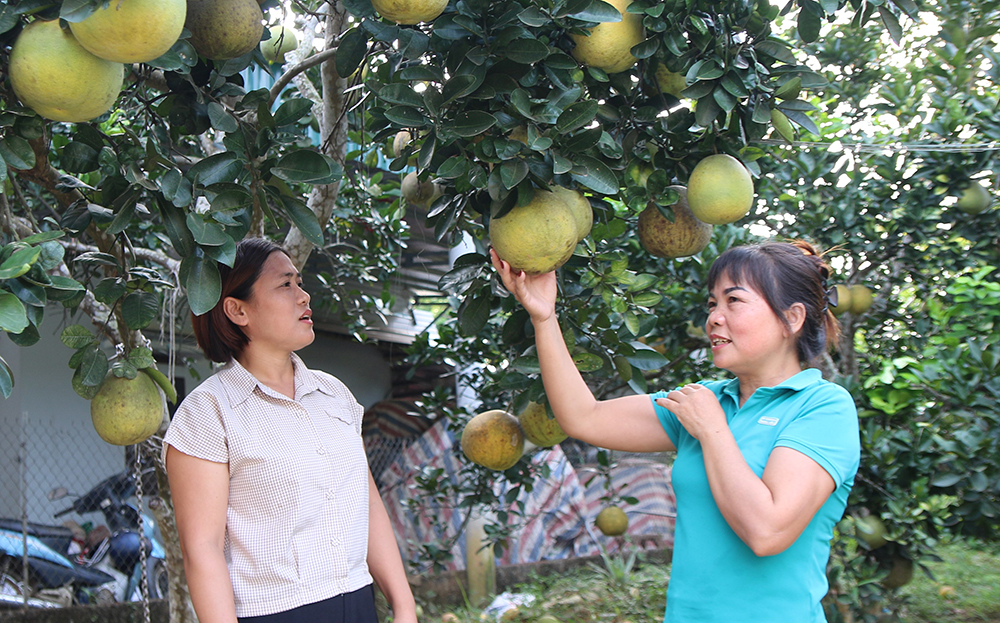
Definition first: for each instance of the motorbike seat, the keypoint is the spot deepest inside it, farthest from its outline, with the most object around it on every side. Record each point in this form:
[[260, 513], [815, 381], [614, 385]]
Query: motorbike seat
[[56, 537]]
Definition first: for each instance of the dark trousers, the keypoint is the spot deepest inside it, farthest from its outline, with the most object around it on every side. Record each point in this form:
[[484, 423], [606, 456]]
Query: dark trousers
[[355, 607]]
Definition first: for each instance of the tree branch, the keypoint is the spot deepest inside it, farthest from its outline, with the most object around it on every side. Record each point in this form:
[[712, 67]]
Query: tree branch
[[295, 70]]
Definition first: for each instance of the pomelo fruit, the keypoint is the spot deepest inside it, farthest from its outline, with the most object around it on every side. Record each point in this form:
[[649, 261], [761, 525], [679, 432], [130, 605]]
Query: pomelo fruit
[[224, 29], [537, 237], [55, 76], [612, 521], [583, 214], [282, 41], [669, 82], [609, 46], [127, 411], [493, 439], [720, 190], [975, 199], [539, 428], [843, 300], [871, 530], [132, 31], [417, 192], [685, 236], [861, 299], [409, 12]]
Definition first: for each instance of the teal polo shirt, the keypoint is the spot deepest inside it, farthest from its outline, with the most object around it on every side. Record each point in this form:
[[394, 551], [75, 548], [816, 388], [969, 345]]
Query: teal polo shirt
[[715, 576]]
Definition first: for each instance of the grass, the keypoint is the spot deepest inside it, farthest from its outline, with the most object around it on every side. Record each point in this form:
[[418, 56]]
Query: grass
[[972, 571], [617, 592]]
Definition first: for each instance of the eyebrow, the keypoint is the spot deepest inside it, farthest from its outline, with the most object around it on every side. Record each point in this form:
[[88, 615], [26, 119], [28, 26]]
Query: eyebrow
[[728, 290]]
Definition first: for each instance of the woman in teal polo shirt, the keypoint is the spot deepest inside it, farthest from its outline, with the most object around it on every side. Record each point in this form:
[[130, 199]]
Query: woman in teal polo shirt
[[765, 460]]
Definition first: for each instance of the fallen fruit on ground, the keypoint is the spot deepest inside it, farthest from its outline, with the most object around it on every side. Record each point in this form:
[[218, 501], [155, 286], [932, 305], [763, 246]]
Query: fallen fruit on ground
[[224, 29], [127, 411], [610, 43], [720, 190], [861, 299], [685, 236], [132, 31], [612, 521], [409, 11], [420, 193], [493, 439], [448, 617], [843, 300], [948, 592], [282, 41], [975, 199], [539, 428], [537, 237], [55, 76], [583, 214]]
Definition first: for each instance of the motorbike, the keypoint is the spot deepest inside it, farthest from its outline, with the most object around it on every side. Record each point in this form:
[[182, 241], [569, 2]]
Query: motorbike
[[104, 566]]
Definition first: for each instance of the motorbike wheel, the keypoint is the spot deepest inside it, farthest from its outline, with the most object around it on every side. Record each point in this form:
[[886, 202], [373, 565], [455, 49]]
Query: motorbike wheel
[[159, 582]]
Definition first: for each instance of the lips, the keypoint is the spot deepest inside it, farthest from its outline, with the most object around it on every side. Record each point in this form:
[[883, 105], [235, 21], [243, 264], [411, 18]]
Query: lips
[[718, 340], [306, 316]]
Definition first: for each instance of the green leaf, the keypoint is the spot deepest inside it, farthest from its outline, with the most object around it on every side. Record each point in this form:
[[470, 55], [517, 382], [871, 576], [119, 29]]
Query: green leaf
[[647, 359], [175, 188], [8, 19], [891, 23], [139, 309], [304, 219], [86, 391], [776, 50], [206, 233], [77, 10], [141, 357], [525, 51], [307, 166], [13, 317], [577, 116], [203, 283], [28, 337], [175, 223], [587, 362], [221, 167], [220, 119], [459, 86], [351, 52], [473, 314], [19, 262], [17, 152], [595, 175], [93, 366], [292, 110], [76, 336], [29, 294], [110, 289], [6, 374], [407, 117], [512, 172], [593, 11], [78, 157], [473, 123], [160, 379], [808, 26], [401, 93]]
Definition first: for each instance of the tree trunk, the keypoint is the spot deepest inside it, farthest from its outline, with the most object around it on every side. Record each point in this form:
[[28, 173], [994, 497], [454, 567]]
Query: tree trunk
[[333, 132]]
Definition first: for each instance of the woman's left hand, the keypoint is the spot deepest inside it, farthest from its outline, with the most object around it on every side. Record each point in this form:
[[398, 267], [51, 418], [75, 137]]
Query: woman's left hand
[[698, 410]]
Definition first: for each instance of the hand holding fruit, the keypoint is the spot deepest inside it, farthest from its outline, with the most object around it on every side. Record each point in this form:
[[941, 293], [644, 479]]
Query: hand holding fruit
[[537, 293]]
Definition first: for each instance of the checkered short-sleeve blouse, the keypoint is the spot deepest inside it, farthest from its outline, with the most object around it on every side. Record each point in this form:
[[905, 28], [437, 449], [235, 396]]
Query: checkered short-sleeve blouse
[[297, 522]]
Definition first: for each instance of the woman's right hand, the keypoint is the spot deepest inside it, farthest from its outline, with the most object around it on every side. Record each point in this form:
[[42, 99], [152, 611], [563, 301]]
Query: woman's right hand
[[536, 293]]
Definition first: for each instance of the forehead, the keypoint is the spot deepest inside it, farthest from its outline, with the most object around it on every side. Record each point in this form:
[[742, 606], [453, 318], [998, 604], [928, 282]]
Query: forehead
[[277, 265], [725, 282]]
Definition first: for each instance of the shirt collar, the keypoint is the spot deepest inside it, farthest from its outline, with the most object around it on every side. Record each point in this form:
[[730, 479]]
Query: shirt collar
[[240, 384], [797, 382]]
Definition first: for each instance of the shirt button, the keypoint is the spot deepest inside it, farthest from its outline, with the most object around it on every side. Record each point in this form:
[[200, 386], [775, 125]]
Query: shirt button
[[321, 451], [331, 494]]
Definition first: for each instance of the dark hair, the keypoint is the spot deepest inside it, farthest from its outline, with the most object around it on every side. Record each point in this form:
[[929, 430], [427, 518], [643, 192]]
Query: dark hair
[[785, 273], [218, 337]]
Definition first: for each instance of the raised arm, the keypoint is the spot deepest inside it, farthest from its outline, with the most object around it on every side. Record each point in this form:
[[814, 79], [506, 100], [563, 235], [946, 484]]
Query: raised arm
[[200, 493], [628, 423]]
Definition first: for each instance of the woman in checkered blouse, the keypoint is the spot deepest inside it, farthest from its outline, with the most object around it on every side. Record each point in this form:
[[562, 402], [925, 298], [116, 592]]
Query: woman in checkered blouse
[[279, 518]]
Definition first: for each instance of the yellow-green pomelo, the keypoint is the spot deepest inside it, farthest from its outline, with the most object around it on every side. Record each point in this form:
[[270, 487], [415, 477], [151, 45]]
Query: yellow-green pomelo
[[610, 43], [975, 199], [493, 439], [537, 237], [127, 411], [871, 530], [409, 11], [224, 29], [843, 300], [583, 214], [685, 236], [417, 192], [612, 521], [720, 190], [539, 428], [56, 77], [900, 574], [669, 82], [282, 41], [861, 299], [399, 142], [132, 31]]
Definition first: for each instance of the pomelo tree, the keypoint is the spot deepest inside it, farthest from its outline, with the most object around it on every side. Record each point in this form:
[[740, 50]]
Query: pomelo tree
[[107, 216]]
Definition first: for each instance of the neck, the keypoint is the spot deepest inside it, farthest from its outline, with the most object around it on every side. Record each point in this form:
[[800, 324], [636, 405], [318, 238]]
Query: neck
[[749, 383], [272, 368]]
